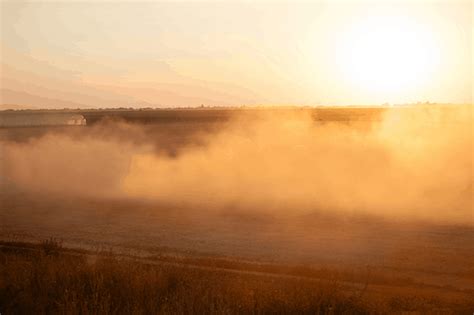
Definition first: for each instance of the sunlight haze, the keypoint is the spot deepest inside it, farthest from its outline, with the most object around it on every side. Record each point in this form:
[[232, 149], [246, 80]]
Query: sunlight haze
[[103, 54], [236, 157]]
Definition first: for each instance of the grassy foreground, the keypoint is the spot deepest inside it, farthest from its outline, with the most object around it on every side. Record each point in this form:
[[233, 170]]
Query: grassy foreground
[[46, 278]]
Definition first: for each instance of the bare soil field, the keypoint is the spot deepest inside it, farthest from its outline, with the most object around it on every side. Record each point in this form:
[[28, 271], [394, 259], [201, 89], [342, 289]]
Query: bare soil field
[[226, 203]]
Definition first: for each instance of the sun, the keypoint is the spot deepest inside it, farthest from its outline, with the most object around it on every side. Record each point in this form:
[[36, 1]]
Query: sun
[[387, 54]]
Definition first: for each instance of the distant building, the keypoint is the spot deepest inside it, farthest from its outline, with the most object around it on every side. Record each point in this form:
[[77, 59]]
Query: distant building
[[31, 119]]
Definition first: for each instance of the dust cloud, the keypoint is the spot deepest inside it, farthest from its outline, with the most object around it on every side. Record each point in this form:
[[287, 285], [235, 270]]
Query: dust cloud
[[414, 164]]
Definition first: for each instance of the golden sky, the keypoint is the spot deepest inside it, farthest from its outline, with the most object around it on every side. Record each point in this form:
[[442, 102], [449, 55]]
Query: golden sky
[[109, 53]]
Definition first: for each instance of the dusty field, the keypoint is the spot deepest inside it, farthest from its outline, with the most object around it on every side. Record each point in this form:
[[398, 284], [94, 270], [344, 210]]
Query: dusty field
[[96, 187], [48, 278]]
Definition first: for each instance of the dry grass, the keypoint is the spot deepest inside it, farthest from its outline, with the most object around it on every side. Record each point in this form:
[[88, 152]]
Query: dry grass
[[50, 279]]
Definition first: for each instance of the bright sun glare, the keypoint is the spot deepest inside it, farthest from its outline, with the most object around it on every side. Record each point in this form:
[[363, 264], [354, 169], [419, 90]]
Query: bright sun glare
[[387, 54]]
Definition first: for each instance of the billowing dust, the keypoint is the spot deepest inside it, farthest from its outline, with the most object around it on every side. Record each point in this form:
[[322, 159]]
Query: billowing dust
[[414, 164]]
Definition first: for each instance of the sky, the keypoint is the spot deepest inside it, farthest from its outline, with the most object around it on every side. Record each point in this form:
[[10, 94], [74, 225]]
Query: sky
[[172, 54]]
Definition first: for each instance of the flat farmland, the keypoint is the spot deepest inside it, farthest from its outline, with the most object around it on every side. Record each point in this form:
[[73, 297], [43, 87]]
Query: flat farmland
[[242, 189]]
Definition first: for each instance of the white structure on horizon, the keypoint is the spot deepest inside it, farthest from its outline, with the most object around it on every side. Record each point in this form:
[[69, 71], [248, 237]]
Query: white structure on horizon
[[31, 119]]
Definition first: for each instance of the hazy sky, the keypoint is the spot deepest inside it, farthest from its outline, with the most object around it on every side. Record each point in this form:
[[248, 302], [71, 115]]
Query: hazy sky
[[106, 53]]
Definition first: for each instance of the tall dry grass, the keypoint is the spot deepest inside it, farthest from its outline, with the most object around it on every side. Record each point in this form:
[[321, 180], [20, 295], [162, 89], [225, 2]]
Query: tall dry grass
[[48, 279]]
